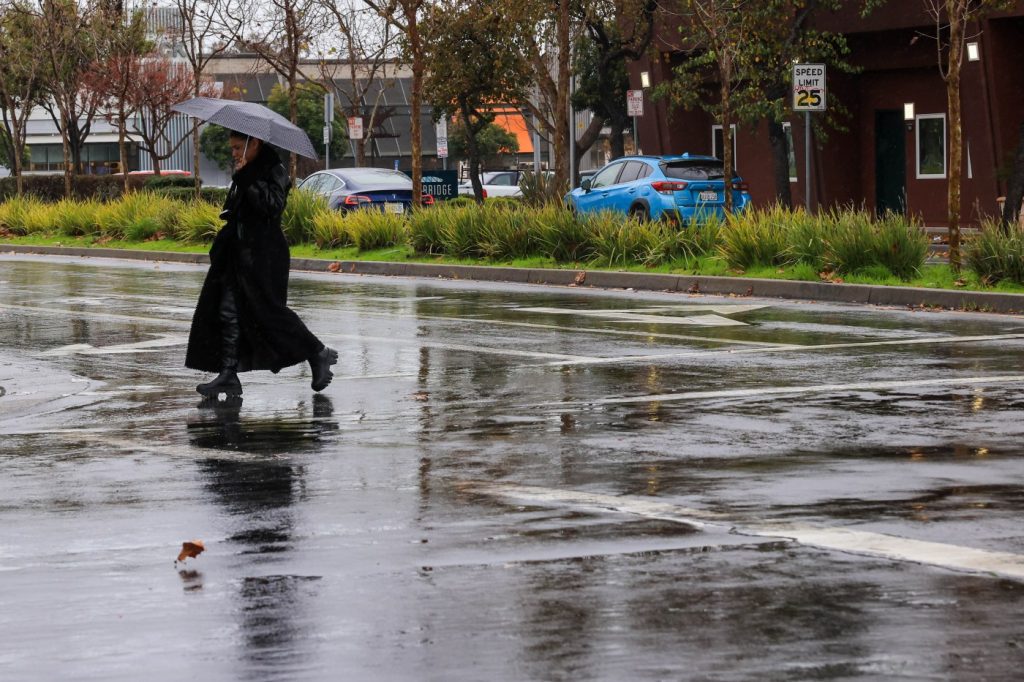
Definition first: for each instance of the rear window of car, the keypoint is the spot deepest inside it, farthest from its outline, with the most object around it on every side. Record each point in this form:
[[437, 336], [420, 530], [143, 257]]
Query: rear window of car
[[380, 178], [698, 169]]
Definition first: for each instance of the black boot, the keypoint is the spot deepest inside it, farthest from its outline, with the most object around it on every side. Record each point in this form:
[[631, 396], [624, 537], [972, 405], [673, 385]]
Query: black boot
[[227, 381], [320, 364]]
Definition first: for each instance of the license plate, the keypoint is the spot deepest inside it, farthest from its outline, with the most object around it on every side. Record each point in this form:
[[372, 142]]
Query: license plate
[[392, 207], [708, 196]]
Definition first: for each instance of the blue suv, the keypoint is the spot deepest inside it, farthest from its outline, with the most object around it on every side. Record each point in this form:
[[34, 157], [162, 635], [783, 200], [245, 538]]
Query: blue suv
[[678, 188]]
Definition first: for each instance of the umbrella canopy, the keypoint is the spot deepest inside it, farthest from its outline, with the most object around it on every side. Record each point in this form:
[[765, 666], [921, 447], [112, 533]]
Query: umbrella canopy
[[250, 119]]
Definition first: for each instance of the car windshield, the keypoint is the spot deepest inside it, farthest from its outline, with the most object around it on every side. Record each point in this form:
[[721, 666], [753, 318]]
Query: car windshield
[[696, 169], [378, 178]]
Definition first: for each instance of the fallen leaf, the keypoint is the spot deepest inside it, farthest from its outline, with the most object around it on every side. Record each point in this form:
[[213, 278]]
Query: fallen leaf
[[191, 550], [421, 396], [580, 278], [694, 288], [960, 283], [334, 267]]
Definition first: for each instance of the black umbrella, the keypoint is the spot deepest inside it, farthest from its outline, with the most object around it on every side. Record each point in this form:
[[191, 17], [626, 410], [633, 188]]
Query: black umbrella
[[250, 119]]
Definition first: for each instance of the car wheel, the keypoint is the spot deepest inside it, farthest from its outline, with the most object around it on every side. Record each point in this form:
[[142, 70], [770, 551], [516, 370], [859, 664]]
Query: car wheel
[[640, 213]]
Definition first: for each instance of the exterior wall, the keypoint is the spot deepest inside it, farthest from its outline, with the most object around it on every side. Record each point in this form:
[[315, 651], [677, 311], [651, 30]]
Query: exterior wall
[[897, 65]]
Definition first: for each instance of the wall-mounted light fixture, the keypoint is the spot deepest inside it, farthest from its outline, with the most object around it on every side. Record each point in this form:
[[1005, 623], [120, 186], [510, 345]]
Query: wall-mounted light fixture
[[645, 79], [973, 52], [908, 115]]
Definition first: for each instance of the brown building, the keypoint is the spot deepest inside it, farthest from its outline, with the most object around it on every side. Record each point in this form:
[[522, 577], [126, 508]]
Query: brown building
[[894, 153]]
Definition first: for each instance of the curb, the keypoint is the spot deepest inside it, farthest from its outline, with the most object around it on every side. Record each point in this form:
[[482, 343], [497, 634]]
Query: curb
[[910, 297]]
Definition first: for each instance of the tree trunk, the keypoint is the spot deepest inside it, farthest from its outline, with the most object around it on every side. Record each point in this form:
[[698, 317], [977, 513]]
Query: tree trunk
[[66, 144], [416, 133], [780, 163], [562, 123], [293, 116], [616, 140], [727, 160], [473, 148], [588, 138], [1015, 187], [955, 138]]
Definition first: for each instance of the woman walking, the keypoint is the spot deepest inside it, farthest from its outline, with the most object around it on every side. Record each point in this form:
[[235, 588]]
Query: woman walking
[[242, 321]]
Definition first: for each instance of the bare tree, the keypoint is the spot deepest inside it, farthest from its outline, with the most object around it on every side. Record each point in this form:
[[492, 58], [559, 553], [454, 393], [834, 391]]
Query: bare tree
[[20, 87], [280, 32], [546, 36], [405, 16], [67, 49], [120, 41], [952, 24], [367, 46], [161, 83], [201, 42]]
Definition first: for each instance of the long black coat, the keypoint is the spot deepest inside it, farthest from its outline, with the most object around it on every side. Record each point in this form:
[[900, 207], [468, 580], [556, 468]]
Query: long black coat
[[251, 256]]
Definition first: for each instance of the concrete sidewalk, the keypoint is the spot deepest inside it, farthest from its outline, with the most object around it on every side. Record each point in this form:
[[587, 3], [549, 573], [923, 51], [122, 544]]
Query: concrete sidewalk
[[909, 297]]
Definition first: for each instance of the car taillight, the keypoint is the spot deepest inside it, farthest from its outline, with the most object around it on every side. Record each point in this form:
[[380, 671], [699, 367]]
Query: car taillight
[[667, 186], [356, 199], [427, 199], [740, 186]]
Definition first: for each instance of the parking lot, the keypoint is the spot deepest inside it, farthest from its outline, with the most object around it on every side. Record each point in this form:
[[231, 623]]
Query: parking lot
[[507, 482]]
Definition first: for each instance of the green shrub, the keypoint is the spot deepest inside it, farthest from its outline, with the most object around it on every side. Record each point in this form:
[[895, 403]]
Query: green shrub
[[76, 218], [807, 237], [371, 229], [460, 201], [425, 227], [211, 195], [615, 241], [460, 233], [995, 254], [755, 237], [27, 215], [137, 216], [157, 182], [851, 243], [561, 234], [900, 245], [297, 220], [539, 189], [198, 221], [330, 230], [504, 203], [504, 234]]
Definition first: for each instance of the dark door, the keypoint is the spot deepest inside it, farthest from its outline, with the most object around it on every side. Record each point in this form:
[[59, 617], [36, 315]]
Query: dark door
[[890, 162]]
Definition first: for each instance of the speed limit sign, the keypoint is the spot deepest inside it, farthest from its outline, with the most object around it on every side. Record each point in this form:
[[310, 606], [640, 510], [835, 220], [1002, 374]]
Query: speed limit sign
[[808, 87]]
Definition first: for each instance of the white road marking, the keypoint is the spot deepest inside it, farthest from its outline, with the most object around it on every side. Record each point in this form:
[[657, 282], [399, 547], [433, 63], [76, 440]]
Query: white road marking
[[162, 341], [846, 540], [627, 316], [419, 343], [92, 315], [791, 347], [769, 391]]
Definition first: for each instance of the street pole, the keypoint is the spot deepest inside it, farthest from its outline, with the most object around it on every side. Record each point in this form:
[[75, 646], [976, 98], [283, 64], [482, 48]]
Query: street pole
[[636, 137], [807, 161]]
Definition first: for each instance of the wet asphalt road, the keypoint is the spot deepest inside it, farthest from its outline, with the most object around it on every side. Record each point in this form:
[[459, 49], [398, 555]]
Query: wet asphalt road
[[507, 483]]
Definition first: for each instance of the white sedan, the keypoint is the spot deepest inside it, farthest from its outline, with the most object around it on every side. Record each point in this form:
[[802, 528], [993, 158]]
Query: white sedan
[[496, 184]]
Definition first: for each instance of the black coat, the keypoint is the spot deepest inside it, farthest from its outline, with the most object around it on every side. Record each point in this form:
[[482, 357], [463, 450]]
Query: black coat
[[250, 255]]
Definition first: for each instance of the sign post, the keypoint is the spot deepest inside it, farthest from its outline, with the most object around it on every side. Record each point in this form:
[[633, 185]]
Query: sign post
[[442, 142], [328, 120], [809, 94], [355, 132], [635, 108]]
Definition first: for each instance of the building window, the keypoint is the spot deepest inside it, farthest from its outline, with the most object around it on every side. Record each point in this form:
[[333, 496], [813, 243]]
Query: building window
[[788, 128], [931, 146], [718, 146]]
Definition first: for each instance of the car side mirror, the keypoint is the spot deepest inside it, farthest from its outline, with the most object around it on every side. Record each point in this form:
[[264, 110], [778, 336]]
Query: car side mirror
[[585, 185]]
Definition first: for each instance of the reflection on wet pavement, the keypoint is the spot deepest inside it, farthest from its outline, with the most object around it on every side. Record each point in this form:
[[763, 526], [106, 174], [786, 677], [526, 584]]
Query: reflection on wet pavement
[[363, 533]]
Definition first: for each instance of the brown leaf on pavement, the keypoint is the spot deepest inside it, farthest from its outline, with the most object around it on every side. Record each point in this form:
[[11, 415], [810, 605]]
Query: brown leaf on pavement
[[334, 267], [190, 550], [580, 278], [421, 396]]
